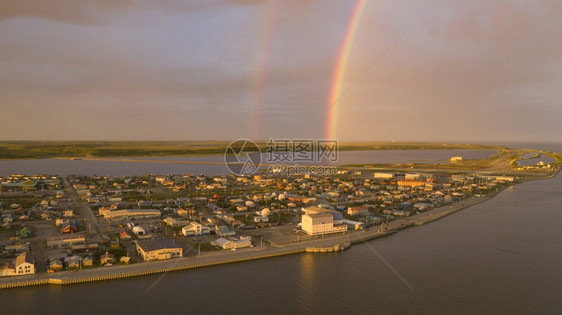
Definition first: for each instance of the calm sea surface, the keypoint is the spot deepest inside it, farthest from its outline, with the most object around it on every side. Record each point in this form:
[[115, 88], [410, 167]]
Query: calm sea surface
[[113, 168], [503, 256]]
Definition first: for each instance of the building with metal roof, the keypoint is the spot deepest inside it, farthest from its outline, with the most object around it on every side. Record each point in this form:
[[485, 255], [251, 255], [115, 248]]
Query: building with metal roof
[[158, 249]]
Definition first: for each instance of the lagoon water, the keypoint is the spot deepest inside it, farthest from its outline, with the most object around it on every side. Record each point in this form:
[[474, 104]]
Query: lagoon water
[[503, 256], [113, 168], [116, 168]]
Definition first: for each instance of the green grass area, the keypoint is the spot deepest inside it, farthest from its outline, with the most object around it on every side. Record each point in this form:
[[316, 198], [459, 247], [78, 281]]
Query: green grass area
[[502, 159], [26, 201], [207, 247], [355, 146], [283, 218], [13, 228], [117, 252], [50, 149]]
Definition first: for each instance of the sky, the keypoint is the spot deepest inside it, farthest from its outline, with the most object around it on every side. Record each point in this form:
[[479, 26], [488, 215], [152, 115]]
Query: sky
[[454, 71]]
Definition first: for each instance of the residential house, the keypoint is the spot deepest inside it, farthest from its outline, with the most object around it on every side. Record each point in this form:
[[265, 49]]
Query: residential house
[[195, 228], [72, 262], [223, 230], [233, 243], [55, 265], [24, 264], [261, 219], [65, 240], [125, 260], [354, 211], [181, 212], [69, 227], [175, 223], [364, 193], [124, 235], [355, 225], [107, 258], [88, 262], [8, 269]]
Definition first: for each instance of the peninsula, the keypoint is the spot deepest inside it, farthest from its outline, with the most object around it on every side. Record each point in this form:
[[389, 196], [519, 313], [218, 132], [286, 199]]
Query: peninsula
[[63, 230]]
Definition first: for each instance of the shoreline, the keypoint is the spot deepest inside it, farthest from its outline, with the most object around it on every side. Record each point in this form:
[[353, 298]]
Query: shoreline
[[329, 244], [16, 150]]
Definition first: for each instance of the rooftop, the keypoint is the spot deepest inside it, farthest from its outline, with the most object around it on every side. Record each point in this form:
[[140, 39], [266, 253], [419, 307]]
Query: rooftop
[[150, 245], [24, 257]]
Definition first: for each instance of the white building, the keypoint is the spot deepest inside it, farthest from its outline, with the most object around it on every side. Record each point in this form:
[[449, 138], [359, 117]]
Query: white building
[[195, 228], [158, 249], [130, 213], [384, 175], [24, 264], [412, 176], [456, 159], [233, 243], [356, 225], [261, 219], [316, 221], [176, 223]]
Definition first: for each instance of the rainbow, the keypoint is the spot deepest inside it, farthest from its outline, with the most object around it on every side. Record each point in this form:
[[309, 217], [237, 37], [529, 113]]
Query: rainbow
[[339, 72], [260, 74]]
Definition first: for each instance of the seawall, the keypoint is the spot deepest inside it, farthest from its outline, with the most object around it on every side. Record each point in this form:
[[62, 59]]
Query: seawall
[[176, 265]]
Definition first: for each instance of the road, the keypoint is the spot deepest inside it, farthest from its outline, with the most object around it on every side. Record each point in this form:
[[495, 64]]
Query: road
[[84, 210]]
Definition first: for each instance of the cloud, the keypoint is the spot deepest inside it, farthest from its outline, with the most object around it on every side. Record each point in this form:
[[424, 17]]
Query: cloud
[[66, 11], [468, 70]]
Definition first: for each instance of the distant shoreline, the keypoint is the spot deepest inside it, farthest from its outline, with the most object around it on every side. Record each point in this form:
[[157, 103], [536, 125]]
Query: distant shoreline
[[10, 150]]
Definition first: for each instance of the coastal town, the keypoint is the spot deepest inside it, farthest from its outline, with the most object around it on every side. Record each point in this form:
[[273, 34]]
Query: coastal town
[[52, 224]]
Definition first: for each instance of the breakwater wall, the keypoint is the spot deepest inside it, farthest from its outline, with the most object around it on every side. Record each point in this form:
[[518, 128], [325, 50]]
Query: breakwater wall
[[23, 283], [176, 265], [329, 249]]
